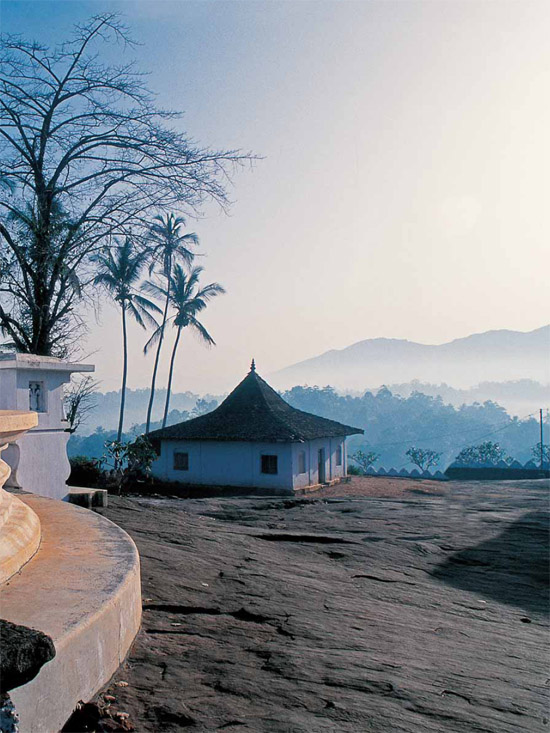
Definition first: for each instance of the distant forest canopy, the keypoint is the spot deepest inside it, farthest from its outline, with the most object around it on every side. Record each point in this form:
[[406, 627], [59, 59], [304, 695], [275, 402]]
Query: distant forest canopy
[[107, 406], [392, 422], [518, 397]]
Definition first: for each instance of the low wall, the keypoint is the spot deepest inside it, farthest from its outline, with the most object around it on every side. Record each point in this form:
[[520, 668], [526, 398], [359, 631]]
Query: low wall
[[494, 473]]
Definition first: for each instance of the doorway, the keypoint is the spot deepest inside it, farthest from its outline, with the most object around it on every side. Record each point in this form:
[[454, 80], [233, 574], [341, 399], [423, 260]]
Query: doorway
[[321, 465]]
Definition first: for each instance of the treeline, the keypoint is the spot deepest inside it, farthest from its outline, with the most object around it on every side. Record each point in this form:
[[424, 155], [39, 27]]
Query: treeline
[[106, 408], [93, 445], [518, 397], [393, 423]]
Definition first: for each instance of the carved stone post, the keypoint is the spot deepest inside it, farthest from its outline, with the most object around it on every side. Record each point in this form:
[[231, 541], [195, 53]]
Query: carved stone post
[[19, 525]]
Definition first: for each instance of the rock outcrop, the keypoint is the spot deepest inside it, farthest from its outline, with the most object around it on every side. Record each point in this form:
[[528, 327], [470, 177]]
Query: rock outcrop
[[416, 613], [23, 652]]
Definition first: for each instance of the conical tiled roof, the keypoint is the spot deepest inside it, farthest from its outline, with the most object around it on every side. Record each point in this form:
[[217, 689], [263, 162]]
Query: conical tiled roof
[[254, 412]]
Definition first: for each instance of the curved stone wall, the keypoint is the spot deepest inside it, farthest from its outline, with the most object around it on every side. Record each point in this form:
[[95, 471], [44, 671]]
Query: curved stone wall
[[82, 589]]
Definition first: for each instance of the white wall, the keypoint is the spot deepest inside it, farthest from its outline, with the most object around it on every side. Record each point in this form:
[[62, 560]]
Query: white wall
[[239, 464], [225, 463], [311, 448], [38, 460]]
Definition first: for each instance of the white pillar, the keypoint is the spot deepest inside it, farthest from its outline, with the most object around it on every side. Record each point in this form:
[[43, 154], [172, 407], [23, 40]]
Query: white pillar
[[38, 460]]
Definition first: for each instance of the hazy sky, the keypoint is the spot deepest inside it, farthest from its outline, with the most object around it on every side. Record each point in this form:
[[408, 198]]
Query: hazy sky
[[404, 190]]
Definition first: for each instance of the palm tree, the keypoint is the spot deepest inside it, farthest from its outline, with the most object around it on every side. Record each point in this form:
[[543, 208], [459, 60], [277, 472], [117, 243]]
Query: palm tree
[[187, 299], [168, 246], [119, 273]]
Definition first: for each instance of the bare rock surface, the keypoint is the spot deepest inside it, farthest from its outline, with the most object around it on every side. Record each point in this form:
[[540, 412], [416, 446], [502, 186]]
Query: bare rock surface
[[427, 611], [23, 651]]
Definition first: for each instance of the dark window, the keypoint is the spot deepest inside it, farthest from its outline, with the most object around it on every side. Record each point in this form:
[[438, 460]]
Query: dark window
[[37, 398], [269, 464], [181, 461], [339, 455], [301, 462]]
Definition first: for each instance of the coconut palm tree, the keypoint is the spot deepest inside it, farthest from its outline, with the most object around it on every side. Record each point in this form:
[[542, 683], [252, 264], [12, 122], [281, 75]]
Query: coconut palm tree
[[120, 269], [187, 300], [168, 245]]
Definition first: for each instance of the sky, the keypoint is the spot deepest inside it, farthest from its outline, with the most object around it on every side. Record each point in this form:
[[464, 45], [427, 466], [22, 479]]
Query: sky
[[402, 189]]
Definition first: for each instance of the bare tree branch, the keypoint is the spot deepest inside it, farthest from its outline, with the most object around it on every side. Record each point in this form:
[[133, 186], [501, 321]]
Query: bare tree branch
[[85, 155]]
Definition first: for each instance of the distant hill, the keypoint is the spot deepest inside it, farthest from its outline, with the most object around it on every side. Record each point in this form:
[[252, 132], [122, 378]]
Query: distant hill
[[491, 356]]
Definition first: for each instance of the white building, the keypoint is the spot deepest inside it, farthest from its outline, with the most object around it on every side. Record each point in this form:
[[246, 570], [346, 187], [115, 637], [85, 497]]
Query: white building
[[253, 439], [38, 460]]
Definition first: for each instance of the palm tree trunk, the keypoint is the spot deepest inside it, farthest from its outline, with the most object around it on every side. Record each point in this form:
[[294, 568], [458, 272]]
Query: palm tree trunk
[[124, 372], [157, 358], [170, 375]]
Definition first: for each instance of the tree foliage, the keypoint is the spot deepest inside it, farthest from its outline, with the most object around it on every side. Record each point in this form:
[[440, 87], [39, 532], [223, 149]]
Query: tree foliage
[[393, 423], [536, 453], [126, 462], [86, 155], [119, 274], [167, 245], [203, 406], [364, 459], [188, 299], [487, 452], [424, 458]]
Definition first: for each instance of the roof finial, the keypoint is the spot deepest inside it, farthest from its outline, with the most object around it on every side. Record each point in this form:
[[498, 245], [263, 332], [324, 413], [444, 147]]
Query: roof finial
[[253, 366]]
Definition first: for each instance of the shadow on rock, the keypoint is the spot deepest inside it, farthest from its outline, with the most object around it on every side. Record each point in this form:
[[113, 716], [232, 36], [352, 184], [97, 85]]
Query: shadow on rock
[[512, 568]]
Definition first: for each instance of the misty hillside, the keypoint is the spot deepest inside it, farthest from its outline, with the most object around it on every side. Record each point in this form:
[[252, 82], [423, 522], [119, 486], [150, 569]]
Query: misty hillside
[[106, 409], [490, 356], [519, 397]]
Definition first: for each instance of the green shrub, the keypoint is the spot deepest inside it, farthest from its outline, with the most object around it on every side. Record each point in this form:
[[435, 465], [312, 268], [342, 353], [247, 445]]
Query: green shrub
[[84, 472]]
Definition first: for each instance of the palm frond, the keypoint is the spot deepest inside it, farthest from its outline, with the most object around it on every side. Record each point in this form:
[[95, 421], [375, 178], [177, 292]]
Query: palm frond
[[136, 314], [146, 303], [199, 329], [153, 340], [157, 291]]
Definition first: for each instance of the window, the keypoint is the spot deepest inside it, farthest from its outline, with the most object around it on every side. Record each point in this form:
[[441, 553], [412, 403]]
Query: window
[[181, 461], [269, 464], [302, 462], [339, 455], [37, 401]]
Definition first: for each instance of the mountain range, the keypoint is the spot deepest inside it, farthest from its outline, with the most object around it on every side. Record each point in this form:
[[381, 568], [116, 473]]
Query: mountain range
[[501, 355]]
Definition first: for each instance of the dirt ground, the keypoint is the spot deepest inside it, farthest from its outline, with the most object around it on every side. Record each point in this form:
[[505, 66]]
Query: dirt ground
[[384, 605], [380, 486]]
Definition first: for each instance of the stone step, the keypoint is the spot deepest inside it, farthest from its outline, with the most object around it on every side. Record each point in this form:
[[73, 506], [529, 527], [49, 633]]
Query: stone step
[[87, 498]]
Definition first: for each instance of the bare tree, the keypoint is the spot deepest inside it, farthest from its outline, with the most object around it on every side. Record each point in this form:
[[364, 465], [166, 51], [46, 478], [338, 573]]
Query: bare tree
[[79, 401], [85, 154], [487, 452]]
